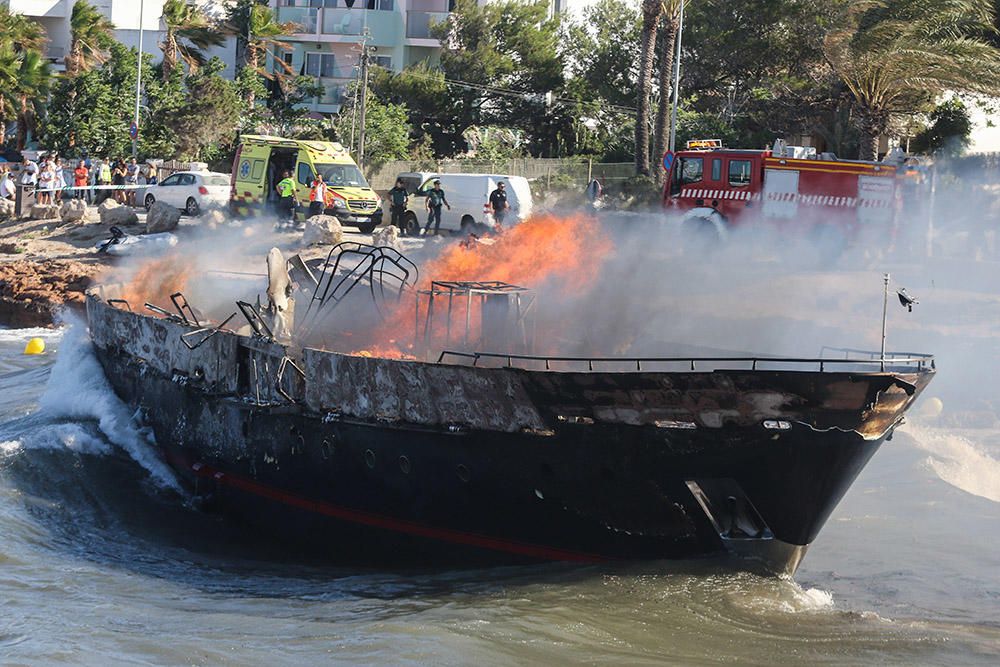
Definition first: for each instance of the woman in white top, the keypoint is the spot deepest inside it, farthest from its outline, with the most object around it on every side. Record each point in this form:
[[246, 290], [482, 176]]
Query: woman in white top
[[60, 179], [46, 179], [7, 187]]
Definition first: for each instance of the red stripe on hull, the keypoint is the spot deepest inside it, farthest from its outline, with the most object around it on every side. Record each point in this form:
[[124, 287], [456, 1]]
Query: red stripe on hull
[[386, 522]]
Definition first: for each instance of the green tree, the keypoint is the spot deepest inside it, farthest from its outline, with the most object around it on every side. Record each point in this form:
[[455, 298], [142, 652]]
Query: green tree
[[91, 33], [188, 33], [22, 33], [669, 25], [893, 56], [209, 116], [259, 36], [387, 130], [949, 131]]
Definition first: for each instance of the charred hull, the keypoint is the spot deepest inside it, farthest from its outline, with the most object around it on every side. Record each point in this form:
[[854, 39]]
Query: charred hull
[[447, 464]]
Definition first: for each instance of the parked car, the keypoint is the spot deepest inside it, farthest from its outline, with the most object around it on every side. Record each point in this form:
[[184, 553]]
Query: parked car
[[190, 191], [468, 195]]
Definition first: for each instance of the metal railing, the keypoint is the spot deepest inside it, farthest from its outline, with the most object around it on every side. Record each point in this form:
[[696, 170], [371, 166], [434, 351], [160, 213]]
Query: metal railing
[[911, 363]]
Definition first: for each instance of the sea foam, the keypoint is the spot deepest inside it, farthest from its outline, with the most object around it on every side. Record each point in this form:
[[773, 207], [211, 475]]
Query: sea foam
[[958, 461]]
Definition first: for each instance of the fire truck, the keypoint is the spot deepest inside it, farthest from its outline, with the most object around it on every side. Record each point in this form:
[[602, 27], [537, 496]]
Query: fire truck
[[787, 185]]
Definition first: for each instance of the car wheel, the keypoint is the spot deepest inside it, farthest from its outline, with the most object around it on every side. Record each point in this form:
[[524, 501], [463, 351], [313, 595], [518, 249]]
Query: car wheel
[[366, 227], [411, 226], [149, 201], [192, 208]]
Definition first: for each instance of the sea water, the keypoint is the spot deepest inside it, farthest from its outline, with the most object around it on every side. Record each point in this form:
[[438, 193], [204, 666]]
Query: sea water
[[103, 560]]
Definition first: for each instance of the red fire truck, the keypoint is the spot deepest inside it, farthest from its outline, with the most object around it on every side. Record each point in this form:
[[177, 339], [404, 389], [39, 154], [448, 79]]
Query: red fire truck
[[788, 185]]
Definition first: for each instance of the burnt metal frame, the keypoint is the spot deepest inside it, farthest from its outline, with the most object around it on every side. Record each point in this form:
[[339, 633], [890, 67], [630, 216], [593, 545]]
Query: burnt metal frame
[[201, 341], [377, 269], [917, 362], [467, 288], [257, 323]]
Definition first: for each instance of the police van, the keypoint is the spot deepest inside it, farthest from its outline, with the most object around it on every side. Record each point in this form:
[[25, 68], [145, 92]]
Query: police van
[[261, 161]]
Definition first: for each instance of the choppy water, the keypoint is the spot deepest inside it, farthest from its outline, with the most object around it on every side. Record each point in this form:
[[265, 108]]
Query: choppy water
[[101, 562]]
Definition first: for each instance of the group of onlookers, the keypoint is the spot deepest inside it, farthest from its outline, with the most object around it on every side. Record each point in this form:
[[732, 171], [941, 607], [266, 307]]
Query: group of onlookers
[[52, 180]]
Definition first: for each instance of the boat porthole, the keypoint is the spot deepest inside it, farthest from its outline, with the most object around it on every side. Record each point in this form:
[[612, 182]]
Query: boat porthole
[[326, 448], [370, 458], [404, 465], [463, 472]]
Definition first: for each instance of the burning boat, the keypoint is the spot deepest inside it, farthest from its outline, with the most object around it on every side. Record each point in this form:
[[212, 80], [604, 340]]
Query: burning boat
[[453, 454]]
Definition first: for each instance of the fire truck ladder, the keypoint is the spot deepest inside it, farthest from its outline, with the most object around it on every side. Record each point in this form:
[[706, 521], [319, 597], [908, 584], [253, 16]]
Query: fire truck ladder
[[386, 271]]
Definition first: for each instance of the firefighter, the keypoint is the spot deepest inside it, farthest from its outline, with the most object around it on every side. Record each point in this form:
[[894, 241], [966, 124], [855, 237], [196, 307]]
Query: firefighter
[[317, 196], [398, 196], [286, 193]]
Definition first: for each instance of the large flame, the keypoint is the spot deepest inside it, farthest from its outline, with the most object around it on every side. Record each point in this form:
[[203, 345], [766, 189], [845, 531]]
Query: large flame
[[155, 280], [563, 254]]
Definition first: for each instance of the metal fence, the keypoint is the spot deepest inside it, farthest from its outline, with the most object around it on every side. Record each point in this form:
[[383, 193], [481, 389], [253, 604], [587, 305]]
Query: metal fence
[[545, 171]]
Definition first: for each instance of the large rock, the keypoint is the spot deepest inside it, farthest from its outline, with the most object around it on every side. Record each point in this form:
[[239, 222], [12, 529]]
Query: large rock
[[6, 209], [73, 210], [113, 213], [322, 230], [162, 218], [44, 211], [33, 291], [387, 236]]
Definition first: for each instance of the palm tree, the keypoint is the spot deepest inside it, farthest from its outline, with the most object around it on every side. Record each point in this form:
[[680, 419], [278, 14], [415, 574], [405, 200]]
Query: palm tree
[[668, 27], [652, 10], [90, 35], [29, 35], [31, 90], [261, 32], [893, 54], [188, 32]]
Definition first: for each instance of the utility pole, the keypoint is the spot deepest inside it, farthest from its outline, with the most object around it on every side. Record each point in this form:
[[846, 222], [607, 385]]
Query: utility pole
[[885, 308], [361, 111], [138, 87], [677, 80]]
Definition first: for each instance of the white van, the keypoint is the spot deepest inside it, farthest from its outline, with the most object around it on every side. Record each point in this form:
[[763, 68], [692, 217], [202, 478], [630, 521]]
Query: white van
[[468, 195]]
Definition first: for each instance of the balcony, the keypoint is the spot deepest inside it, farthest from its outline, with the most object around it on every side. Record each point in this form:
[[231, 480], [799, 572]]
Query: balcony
[[334, 91], [305, 17], [337, 21], [419, 24], [41, 8]]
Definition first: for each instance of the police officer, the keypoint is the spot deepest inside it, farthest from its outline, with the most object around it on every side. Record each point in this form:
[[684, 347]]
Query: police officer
[[397, 204], [498, 202], [435, 199], [286, 194]]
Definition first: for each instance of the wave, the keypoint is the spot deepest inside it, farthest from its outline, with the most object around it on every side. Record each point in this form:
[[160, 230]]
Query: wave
[[77, 389], [958, 461]]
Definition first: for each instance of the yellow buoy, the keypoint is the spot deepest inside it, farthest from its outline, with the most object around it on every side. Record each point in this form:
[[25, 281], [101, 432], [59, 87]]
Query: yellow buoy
[[35, 346]]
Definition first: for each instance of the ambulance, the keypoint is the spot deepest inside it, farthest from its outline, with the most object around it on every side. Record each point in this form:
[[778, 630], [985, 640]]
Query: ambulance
[[261, 161]]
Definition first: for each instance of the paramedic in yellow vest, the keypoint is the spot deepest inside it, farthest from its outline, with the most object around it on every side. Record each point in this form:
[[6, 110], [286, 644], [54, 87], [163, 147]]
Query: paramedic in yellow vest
[[317, 196], [286, 192]]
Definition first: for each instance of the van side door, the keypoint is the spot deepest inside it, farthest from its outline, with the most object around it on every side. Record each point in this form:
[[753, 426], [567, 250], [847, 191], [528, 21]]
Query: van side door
[[304, 174]]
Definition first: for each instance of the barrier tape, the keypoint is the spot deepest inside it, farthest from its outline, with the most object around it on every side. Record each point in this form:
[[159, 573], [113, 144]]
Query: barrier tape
[[90, 187]]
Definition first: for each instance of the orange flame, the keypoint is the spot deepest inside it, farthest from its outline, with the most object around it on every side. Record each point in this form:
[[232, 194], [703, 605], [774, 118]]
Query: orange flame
[[156, 280], [562, 253]]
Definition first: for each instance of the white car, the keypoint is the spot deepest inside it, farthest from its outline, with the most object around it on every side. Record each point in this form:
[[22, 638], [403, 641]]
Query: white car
[[190, 191]]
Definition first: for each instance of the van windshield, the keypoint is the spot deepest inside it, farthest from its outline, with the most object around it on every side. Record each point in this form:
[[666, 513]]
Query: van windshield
[[342, 175]]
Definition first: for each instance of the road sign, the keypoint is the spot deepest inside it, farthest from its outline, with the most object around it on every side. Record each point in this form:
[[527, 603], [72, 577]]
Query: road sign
[[668, 159], [133, 131]]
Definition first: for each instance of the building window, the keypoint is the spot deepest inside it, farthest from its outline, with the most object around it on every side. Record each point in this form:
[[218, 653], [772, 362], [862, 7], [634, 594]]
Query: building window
[[320, 65], [382, 61], [739, 172]]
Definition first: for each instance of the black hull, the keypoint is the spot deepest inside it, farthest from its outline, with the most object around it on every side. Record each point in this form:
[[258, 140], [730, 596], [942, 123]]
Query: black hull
[[351, 490], [503, 465]]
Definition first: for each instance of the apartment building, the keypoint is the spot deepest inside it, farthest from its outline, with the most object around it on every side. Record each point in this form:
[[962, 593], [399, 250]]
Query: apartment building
[[54, 16], [328, 44]]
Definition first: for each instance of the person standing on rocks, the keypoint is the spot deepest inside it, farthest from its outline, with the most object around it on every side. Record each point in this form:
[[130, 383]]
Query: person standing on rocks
[[7, 187], [59, 182], [398, 196], [103, 177], [118, 178], [80, 177], [46, 180], [29, 173], [132, 180]]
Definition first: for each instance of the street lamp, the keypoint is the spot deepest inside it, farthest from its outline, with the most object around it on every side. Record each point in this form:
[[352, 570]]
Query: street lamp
[[134, 130]]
